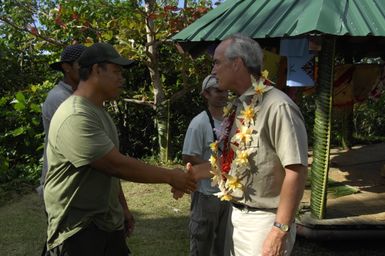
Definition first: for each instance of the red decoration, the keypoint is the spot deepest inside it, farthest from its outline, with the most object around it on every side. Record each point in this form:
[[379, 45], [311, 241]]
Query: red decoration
[[227, 152]]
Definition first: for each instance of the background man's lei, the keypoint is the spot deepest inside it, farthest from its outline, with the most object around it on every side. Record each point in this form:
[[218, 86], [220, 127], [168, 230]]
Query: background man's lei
[[234, 157]]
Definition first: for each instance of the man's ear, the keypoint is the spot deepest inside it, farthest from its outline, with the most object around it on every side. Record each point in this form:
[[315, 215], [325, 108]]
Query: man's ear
[[238, 63], [95, 69], [66, 67], [205, 94]]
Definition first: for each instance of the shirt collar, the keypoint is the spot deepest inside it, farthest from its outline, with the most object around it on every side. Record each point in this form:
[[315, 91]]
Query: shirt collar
[[245, 97], [65, 86]]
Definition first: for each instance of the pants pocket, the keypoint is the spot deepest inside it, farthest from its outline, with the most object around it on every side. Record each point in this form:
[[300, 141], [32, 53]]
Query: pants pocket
[[198, 229]]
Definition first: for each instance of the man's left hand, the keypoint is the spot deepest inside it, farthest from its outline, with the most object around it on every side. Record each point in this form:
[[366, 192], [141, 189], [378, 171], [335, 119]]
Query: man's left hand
[[274, 244], [129, 223]]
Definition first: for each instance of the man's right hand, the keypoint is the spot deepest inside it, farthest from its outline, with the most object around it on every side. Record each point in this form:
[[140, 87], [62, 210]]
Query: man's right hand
[[199, 171], [183, 181], [176, 194]]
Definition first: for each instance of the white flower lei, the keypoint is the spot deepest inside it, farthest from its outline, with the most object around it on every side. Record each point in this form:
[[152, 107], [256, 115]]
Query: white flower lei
[[239, 143]]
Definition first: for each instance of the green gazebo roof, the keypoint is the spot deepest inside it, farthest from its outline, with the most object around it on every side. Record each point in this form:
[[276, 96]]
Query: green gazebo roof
[[283, 18]]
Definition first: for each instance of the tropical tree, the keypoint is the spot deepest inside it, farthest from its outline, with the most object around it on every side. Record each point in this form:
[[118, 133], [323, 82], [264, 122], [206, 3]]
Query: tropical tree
[[138, 29], [20, 53]]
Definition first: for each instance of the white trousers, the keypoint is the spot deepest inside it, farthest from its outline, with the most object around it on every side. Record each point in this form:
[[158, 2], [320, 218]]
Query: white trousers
[[250, 229]]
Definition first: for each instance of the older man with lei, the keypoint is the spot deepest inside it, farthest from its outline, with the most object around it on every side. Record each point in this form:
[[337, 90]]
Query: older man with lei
[[263, 166]]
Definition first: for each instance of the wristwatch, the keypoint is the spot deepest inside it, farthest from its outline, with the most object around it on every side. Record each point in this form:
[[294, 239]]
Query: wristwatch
[[282, 227]]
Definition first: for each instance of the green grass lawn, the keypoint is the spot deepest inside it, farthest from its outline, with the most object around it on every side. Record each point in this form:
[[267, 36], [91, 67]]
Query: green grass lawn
[[161, 227], [22, 225], [161, 222]]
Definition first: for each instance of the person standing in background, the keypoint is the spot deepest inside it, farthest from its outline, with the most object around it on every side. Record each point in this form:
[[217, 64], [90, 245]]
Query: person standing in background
[[209, 215], [69, 66]]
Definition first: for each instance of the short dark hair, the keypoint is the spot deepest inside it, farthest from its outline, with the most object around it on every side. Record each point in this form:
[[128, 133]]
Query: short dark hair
[[84, 72]]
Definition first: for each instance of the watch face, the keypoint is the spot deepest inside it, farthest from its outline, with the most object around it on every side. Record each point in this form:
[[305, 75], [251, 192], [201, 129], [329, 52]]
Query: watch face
[[284, 227]]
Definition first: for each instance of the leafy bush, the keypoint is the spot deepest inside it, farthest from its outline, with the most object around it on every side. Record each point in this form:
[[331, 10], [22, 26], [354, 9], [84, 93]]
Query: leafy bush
[[182, 112], [369, 119], [307, 106], [21, 138], [137, 128], [367, 124]]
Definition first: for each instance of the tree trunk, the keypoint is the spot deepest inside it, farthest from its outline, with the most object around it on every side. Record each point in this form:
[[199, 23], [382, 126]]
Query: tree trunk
[[163, 120], [161, 105], [347, 127]]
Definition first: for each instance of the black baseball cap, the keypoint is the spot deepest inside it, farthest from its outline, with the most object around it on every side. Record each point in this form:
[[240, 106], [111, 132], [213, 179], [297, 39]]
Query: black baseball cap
[[102, 52], [70, 54]]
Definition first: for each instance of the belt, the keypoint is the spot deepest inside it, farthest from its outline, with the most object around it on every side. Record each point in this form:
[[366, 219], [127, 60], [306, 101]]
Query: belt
[[244, 207]]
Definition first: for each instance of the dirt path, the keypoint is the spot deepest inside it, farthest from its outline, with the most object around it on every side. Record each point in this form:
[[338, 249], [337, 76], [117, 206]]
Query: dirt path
[[361, 167]]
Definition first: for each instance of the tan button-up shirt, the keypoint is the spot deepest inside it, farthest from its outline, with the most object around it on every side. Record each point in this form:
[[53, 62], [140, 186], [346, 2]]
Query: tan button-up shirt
[[280, 140]]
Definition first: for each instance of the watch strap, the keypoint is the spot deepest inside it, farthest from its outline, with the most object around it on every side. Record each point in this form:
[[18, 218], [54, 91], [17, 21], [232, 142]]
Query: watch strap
[[282, 227]]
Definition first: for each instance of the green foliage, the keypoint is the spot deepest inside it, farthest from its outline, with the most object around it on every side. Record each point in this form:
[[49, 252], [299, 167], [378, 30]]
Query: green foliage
[[135, 122], [35, 33], [136, 128], [338, 189], [369, 119], [140, 31], [21, 60], [182, 111], [21, 139], [307, 106]]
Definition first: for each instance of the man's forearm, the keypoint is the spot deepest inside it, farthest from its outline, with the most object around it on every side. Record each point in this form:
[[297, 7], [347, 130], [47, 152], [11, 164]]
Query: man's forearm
[[194, 160], [291, 193], [131, 169]]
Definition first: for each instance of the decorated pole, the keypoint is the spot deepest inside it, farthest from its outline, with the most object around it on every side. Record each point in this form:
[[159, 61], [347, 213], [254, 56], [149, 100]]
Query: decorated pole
[[322, 129]]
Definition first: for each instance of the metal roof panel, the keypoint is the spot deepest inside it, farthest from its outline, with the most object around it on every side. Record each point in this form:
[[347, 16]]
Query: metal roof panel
[[281, 18]]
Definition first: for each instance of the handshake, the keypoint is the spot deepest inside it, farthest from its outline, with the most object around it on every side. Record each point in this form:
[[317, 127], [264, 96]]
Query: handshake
[[187, 180]]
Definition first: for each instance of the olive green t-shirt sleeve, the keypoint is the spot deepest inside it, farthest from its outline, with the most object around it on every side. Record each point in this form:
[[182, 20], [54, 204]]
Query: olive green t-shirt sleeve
[[82, 140]]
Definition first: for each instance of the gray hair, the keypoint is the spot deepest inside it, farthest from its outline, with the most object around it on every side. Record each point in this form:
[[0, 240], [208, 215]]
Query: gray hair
[[248, 50]]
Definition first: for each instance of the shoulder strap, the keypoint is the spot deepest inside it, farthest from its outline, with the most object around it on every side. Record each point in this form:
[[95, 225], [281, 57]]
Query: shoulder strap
[[212, 124]]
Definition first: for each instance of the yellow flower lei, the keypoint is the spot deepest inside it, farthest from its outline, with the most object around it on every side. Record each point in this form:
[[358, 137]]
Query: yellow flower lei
[[240, 142]]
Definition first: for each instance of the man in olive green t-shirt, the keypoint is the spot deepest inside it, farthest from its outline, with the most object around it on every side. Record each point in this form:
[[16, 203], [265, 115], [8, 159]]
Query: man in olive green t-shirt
[[82, 185]]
